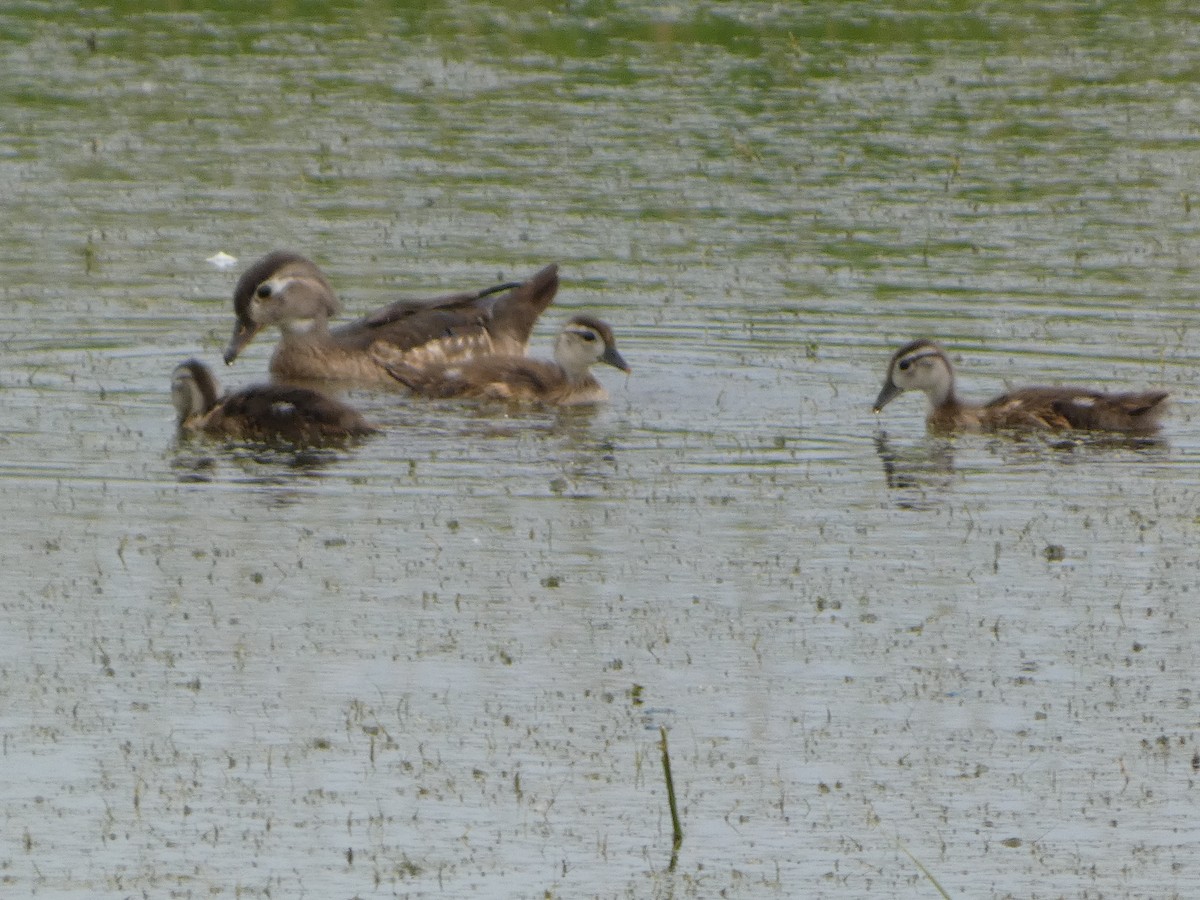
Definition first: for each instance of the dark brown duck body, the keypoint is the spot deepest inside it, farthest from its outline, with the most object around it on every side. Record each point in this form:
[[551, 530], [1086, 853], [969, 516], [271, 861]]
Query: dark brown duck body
[[289, 290], [261, 412], [924, 366], [1059, 408]]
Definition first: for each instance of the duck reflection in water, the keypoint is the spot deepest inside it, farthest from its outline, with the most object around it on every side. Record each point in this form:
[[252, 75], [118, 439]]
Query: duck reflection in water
[[921, 473]]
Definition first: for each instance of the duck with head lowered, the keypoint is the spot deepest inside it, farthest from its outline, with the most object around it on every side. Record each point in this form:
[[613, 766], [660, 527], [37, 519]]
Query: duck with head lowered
[[565, 381], [263, 412], [924, 366], [288, 290]]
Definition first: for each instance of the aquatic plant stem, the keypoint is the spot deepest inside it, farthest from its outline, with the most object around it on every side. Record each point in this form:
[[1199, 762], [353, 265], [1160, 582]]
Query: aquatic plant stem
[[941, 890], [677, 828]]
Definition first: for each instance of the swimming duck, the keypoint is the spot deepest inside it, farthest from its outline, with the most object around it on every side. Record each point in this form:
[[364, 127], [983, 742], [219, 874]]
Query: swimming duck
[[265, 411], [289, 290], [924, 366], [565, 381]]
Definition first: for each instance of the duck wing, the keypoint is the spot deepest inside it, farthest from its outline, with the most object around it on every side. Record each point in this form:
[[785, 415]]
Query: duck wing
[[497, 318], [489, 377], [1062, 408]]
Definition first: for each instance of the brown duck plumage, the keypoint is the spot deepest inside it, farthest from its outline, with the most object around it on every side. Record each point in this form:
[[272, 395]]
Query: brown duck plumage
[[565, 381], [289, 290], [262, 412], [924, 366]]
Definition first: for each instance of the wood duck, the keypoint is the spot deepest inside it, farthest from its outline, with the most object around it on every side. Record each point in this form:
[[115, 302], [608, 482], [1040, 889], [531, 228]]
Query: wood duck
[[263, 412], [924, 366], [288, 290], [567, 381]]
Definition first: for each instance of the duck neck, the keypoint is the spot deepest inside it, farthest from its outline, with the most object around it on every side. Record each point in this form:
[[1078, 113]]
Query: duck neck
[[195, 394], [575, 369], [942, 395], [312, 329]]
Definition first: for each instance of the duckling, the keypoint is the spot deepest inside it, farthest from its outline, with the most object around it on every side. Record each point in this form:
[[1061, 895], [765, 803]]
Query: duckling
[[289, 290], [567, 381], [924, 366], [265, 411]]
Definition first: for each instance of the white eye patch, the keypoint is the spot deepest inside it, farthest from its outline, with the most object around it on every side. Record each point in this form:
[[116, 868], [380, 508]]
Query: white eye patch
[[270, 288]]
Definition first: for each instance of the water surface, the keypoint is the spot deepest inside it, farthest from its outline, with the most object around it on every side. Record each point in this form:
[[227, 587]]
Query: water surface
[[435, 663]]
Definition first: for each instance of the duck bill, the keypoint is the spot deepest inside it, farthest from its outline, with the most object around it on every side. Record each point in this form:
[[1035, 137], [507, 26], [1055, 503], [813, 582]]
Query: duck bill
[[889, 393], [614, 359], [243, 333]]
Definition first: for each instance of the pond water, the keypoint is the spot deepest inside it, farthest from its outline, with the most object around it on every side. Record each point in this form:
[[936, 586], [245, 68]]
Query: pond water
[[436, 663]]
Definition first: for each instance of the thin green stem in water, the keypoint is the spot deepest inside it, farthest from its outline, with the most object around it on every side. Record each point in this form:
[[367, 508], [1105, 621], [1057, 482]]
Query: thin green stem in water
[[677, 828]]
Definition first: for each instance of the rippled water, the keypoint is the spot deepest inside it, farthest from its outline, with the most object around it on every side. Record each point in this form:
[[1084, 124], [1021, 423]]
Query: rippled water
[[436, 662]]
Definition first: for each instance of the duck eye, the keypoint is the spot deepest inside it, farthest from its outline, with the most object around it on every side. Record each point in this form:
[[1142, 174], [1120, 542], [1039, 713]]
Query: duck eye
[[904, 364], [263, 292], [587, 336]]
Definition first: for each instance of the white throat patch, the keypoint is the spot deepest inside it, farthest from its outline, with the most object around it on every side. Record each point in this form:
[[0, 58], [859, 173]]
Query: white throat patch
[[298, 326]]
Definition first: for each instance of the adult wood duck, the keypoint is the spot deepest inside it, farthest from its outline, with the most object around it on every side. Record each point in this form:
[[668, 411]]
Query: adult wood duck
[[924, 366], [565, 381], [289, 290], [263, 412]]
